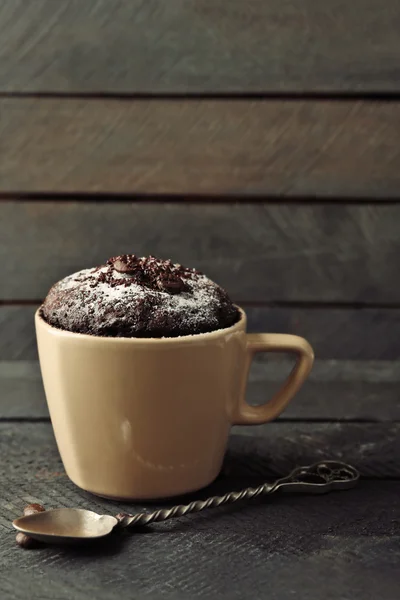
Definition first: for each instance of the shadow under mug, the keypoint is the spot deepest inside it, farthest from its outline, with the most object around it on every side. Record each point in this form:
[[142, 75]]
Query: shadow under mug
[[138, 418]]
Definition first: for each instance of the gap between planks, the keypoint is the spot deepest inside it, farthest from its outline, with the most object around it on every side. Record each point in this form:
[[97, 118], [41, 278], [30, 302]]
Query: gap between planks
[[192, 198]]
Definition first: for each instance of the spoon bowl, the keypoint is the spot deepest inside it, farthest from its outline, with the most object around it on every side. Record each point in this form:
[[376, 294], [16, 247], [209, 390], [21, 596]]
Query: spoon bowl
[[65, 525]]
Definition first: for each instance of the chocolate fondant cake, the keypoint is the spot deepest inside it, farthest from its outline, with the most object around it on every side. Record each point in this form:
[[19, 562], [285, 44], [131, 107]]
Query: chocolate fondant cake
[[138, 297]]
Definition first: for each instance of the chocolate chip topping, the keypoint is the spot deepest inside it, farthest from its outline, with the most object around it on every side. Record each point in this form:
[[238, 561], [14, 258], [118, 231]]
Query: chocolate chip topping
[[131, 296], [149, 272], [124, 263]]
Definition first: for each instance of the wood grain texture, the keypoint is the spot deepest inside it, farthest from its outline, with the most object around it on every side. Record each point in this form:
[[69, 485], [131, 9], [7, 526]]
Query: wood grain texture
[[197, 46], [356, 334], [339, 542], [345, 543], [258, 252], [286, 148], [336, 390]]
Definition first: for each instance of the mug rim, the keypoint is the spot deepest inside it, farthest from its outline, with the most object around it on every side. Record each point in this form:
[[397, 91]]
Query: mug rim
[[240, 325]]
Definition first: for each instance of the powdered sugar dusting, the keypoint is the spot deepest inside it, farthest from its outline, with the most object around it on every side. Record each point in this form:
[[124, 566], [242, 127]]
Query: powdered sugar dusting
[[196, 304], [103, 301]]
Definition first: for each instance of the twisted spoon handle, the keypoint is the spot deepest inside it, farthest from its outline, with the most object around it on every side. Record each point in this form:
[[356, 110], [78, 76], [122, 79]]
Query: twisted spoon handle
[[315, 479]]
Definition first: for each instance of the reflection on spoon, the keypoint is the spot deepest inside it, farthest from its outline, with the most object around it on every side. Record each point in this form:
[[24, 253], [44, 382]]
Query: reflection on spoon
[[71, 525], [66, 525]]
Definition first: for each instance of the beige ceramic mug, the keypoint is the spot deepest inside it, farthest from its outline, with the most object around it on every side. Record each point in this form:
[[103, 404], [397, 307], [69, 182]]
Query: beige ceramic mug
[[150, 418]]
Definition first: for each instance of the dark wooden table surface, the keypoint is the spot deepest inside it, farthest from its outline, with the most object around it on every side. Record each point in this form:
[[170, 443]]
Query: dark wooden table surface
[[339, 546]]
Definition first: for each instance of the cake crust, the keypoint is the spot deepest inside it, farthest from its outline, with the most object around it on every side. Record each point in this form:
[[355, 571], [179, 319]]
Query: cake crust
[[132, 296]]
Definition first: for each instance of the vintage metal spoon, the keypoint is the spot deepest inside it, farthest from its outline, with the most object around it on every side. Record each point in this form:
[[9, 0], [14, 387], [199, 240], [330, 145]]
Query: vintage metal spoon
[[72, 525]]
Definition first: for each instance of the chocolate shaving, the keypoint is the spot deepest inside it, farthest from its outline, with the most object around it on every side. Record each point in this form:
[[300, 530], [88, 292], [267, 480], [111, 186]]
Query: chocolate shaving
[[149, 272]]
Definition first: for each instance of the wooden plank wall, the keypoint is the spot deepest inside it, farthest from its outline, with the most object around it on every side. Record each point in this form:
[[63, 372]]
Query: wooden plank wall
[[256, 140], [198, 46]]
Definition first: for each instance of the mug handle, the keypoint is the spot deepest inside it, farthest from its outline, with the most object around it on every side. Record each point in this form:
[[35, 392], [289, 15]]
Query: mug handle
[[274, 342]]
